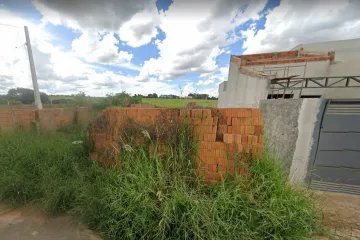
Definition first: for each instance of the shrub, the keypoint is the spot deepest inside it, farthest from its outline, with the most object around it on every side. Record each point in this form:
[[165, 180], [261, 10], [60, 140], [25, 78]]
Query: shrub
[[150, 194]]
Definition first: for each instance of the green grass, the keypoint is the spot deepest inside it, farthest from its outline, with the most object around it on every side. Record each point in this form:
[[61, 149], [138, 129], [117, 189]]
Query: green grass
[[88, 98], [178, 103], [151, 196]]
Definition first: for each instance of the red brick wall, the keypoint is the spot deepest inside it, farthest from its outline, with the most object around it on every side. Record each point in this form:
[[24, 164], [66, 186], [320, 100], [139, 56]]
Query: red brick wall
[[10, 118], [222, 134], [142, 105], [296, 56], [50, 119]]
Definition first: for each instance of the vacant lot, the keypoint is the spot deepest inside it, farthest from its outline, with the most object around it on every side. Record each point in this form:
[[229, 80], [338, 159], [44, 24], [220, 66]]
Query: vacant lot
[[178, 103], [151, 195]]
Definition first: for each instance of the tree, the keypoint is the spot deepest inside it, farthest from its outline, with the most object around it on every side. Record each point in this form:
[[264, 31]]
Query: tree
[[152, 95], [122, 99], [25, 96], [80, 98], [198, 96]]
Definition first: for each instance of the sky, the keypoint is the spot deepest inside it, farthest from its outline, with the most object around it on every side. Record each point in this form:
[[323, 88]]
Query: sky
[[155, 46]]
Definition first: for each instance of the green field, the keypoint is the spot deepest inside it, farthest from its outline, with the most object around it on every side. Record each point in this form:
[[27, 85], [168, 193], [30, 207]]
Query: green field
[[156, 102], [178, 103]]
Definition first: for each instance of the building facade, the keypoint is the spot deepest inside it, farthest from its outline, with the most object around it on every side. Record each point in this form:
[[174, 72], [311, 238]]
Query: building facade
[[315, 70]]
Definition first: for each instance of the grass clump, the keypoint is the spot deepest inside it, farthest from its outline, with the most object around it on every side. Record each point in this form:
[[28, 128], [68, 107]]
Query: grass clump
[[40, 168], [151, 194]]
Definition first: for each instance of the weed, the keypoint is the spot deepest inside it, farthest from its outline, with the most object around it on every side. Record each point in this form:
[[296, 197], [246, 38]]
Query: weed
[[152, 195]]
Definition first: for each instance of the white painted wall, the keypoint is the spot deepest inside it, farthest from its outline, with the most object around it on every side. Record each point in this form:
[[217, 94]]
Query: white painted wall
[[306, 124], [245, 91], [242, 90], [345, 50]]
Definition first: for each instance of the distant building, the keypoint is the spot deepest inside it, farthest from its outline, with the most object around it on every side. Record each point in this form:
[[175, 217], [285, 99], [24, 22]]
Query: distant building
[[315, 70]]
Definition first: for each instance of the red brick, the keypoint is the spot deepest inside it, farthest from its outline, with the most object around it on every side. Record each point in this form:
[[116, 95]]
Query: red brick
[[221, 168], [218, 145], [241, 113], [206, 113], [234, 112], [242, 130], [228, 121], [235, 129], [196, 113], [215, 121], [254, 140], [261, 139], [258, 130], [212, 167], [255, 112], [228, 138], [239, 147], [248, 112], [249, 121], [244, 139], [202, 145], [221, 161], [230, 129], [231, 147], [249, 130], [234, 121], [242, 121], [223, 129], [237, 138], [184, 113], [196, 121], [220, 154], [209, 137]]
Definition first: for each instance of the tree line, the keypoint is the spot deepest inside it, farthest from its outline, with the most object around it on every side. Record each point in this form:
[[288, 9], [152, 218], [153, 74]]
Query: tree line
[[123, 99]]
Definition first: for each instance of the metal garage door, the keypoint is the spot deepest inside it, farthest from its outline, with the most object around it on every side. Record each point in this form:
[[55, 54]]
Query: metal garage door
[[337, 161]]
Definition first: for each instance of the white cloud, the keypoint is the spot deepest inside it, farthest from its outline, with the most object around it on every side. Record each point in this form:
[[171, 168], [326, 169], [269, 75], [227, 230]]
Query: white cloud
[[58, 71], [205, 82], [295, 22], [98, 48], [195, 35], [90, 14], [135, 22], [140, 29]]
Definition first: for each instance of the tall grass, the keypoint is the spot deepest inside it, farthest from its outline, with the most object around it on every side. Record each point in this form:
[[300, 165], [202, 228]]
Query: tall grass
[[152, 195], [40, 168]]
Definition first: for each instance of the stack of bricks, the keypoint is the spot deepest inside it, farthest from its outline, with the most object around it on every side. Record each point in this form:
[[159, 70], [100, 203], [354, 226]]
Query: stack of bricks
[[227, 137], [294, 56]]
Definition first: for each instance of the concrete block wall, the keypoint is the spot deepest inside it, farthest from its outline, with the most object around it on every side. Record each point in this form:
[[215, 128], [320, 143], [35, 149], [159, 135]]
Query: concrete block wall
[[50, 119], [290, 131], [222, 134]]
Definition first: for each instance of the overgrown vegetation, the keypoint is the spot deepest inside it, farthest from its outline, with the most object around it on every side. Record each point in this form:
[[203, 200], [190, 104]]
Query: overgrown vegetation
[[152, 194], [178, 103]]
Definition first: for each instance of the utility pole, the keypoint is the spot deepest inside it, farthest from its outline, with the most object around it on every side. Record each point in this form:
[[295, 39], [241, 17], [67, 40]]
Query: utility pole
[[32, 69]]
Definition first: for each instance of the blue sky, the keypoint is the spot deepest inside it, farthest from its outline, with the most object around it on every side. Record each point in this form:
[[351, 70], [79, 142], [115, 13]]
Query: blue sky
[[163, 46]]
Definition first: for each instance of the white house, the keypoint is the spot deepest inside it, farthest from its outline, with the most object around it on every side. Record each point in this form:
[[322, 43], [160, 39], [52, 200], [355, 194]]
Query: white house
[[315, 70]]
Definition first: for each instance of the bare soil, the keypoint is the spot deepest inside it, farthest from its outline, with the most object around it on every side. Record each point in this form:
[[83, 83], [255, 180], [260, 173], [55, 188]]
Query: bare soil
[[31, 223], [341, 213]]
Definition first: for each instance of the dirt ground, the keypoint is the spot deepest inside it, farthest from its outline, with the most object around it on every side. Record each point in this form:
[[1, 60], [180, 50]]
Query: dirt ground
[[341, 213], [31, 223]]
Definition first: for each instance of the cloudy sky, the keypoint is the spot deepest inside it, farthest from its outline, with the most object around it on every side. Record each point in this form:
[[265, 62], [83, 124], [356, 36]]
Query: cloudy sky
[[163, 46]]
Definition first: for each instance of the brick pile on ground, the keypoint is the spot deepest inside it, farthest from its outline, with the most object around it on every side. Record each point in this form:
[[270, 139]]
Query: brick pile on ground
[[228, 137]]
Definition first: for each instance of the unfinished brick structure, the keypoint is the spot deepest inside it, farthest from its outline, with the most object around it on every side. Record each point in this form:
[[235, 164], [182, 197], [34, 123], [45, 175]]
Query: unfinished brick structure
[[50, 119], [222, 134]]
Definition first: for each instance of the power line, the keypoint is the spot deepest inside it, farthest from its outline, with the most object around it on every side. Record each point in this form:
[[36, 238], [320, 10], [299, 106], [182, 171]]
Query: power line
[[8, 25]]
